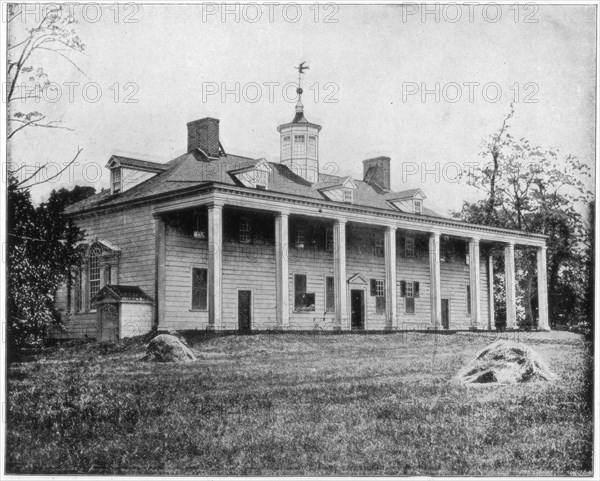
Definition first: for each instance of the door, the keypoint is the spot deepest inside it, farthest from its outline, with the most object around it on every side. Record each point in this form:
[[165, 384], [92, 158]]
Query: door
[[357, 305], [244, 310], [446, 313], [109, 322]]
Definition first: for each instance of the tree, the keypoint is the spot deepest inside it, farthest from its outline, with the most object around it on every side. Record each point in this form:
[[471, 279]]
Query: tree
[[54, 34], [42, 249], [531, 188], [41, 243]]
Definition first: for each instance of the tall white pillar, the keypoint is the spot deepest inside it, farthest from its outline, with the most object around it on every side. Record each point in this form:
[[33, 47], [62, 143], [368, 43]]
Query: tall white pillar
[[161, 271], [339, 248], [282, 268], [475, 282], [391, 300], [215, 265], [435, 280], [542, 280], [492, 320], [511, 290]]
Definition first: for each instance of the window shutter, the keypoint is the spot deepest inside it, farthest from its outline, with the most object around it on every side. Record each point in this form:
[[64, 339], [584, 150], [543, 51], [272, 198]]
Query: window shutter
[[416, 291], [402, 288], [402, 246], [373, 287]]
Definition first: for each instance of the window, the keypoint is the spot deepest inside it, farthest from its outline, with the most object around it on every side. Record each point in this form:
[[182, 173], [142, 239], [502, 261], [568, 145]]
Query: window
[[468, 300], [245, 234], [79, 298], [200, 227], [418, 206], [107, 274], [286, 147], [378, 290], [261, 179], [303, 301], [409, 290], [116, 180], [444, 250], [312, 145], [329, 294], [329, 239], [95, 254], [378, 250], [348, 195], [300, 236], [299, 145], [199, 288], [409, 246]]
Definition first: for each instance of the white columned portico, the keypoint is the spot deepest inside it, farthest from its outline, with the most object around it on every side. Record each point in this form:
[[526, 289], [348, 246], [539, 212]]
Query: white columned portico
[[215, 265], [475, 282], [435, 280], [282, 268], [509, 280], [390, 277], [542, 280], [492, 320], [339, 249]]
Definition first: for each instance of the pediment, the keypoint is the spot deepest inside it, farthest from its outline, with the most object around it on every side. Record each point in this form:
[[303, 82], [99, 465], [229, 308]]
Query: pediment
[[357, 279]]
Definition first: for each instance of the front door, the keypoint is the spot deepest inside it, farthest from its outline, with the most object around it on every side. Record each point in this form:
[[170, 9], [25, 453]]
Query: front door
[[357, 305], [244, 310], [446, 313]]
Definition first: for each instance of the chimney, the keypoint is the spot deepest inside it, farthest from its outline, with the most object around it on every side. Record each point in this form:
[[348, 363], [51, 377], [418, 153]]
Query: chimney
[[204, 134], [376, 172]]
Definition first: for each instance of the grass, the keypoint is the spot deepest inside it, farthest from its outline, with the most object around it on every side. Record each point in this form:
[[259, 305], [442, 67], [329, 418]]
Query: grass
[[298, 404]]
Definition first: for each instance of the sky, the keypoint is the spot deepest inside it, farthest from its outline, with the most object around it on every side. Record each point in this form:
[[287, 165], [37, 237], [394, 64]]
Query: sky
[[423, 87]]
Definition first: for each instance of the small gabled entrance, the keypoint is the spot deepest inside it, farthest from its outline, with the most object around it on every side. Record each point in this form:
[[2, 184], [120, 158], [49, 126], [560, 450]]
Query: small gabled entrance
[[244, 311]]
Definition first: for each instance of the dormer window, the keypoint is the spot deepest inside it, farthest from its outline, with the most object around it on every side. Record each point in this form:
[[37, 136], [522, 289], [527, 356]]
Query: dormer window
[[418, 206], [348, 195], [260, 179], [116, 180]]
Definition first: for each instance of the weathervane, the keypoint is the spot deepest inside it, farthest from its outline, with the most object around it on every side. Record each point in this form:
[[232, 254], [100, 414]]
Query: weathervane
[[300, 68]]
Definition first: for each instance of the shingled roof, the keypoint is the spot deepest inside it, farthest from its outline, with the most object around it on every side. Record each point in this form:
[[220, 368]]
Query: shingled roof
[[195, 169]]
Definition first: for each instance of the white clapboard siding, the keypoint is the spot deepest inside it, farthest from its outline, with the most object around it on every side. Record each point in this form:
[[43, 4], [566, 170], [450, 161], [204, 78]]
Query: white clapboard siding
[[250, 267], [183, 253]]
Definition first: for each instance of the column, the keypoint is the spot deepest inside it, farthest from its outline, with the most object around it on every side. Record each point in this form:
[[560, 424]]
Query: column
[[339, 250], [435, 280], [282, 268], [391, 301], [509, 280], [215, 264], [475, 282], [492, 321], [160, 255], [542, 281]]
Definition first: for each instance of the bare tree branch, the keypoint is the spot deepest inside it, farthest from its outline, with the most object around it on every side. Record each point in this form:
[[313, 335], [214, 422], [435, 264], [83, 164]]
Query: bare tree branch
[[21, 186]]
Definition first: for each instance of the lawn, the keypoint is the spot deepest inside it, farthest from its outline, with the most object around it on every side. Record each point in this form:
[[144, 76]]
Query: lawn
[[298, 404]]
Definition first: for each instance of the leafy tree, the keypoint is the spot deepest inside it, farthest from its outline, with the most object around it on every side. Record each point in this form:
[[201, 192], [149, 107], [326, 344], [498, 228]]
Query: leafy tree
[[535, 189], [42, 248]]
